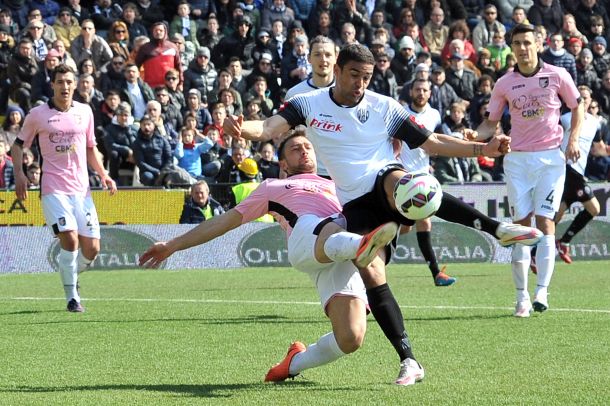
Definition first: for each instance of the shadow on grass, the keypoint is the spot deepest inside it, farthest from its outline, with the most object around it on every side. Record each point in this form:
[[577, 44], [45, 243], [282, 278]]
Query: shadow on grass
[[31, 312], [203, 390], [458, 318]]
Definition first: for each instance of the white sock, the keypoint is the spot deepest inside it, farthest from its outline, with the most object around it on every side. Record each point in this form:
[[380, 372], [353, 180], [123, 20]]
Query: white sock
[[83, 262], [342, 246], [68, 272], [324, 351], [545, 260], [520, 263]]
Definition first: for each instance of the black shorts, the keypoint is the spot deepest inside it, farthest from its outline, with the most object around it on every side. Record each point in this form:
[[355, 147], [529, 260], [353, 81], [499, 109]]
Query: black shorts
[[575, 188], [371, 210]]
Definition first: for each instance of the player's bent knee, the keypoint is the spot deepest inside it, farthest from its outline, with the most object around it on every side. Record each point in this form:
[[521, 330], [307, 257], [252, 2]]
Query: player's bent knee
[[350, 341]]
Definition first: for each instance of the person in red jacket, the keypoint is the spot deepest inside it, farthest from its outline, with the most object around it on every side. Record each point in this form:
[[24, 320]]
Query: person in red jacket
[[158, 56]]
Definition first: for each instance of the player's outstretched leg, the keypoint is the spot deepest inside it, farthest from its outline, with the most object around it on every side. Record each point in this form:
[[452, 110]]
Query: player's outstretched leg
[[280, 372]]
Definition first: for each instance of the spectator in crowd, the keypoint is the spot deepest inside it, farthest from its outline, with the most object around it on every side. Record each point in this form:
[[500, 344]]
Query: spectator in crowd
[[513, 12], [81, 13], [198, 106], [547, 13], [601, 58], [177, 98], [458, 31], [131, 18], [114, 76], [596, 28], [296, 66], [229, 172], [188, 153], [224, 81], [354, 13], [267, 163], [20, 73], [150, 13], [462, 79], [200, 206], [482, 35], [164, 128], [120, 136], [137, 44], [182, 23], [323, 26], [569, 30], [484, 65], [201, 74], [558, 56], [86, 67], [90, 45], [185, 48], [42, 90], [170, 113], [105, 115], [7, 175], [383, 80], [250, 175], [64, 55], [585, 72], [348, 34], [6, 19], [66, 27], [202, 9], [14, 14], [211, 160], [151, 151], [574, 46], [228, 97], [239, 44], [136, 92], [598, 167], [88, 94], [278, 43], [484, 85], [262, 45], [27, 159], [277, 10], [190, 123], [48, 33], [435, 33], [443, 94], [158, 56], [7, 45], [33, 174], [422, 72], [541, 38], [585, 10], [40, 46], [118, 40], [498, 51], [12, 124], [403, 64], [104, 14], [239, 80], [260, 91], [264, 68], [454, 9], [210, 35]]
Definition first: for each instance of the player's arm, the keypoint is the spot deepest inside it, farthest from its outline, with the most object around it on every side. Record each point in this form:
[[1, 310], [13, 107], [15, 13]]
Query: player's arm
[[256, 130], [487, 129], [94, 160], [21, 180], [445, 145], [578, 117], [206, 231]]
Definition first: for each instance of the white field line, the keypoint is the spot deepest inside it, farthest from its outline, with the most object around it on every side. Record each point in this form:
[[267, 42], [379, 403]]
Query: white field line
[[283, 302]]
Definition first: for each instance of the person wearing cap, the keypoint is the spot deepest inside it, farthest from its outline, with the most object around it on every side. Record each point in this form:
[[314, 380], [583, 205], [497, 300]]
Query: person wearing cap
[[295, 65], [422, 72], [601, 57], [183, 24], [251, 9], [534, 94], [264, 68], [586, 73], [277, 10], [557, 55], [201, 73], [250, 174], [574, 46], [12, 124], [462, 79], [403, 64], [158, 56], [383, 80], [240, 44], [20, 71], [198, 107], [482, 34], [435, 33], [262, 46], [66, 26], [42, 90], [200, 205]]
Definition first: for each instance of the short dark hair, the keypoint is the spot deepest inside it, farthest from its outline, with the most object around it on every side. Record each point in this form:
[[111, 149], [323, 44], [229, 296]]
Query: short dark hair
[[290, 135], [355, 53], [320, 39], [521, 29], [61, 68]]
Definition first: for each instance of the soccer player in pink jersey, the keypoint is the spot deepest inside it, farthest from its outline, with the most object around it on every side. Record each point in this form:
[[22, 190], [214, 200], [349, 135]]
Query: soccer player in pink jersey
[[63, 130], [535, 167], [308, 210]]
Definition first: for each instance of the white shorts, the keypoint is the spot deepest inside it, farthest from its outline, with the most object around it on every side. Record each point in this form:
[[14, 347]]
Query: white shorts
[[69, 213], [535, 182], [332, 279]]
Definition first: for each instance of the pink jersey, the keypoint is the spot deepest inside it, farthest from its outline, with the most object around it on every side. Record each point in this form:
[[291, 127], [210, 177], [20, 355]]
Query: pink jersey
[[534, 103], [63, 138], [288, 199]]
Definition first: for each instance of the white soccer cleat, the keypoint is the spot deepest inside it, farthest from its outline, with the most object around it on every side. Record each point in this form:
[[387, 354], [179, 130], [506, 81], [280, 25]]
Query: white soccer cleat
[[410, 373], [523, 309], [541, 303], [373, 241], [509, 234]]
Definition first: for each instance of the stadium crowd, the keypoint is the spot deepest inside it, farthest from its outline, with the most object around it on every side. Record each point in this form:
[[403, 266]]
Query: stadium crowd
[[161, 77]]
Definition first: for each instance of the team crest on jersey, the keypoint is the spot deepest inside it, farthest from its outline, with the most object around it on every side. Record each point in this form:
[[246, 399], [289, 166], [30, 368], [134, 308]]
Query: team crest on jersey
[[78, 119], [543, 82], [363, 115], [62, 221]]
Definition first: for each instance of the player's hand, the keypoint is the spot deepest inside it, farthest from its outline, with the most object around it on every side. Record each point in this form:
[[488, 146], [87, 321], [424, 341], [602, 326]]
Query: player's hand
[[21, 185], [155, 255], [572, 152], [499, 145], [232, 125], [470, 134], [110, 184]]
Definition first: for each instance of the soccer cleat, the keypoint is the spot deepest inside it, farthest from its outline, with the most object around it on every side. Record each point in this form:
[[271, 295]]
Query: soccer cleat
[[410, 373], [442, 279], [541, 303], [563, 250], [510, 234], [280, 372], [75, 307], [523, 309], [533, 266], [373, 241]]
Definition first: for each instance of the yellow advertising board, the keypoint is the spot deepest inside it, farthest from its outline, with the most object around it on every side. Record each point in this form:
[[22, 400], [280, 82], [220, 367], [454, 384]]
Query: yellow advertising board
[[137, 206]]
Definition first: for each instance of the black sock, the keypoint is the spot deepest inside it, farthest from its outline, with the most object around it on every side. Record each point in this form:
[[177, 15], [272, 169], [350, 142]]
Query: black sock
[[580, 221], [386, 311], [456, 211], [425, 245]]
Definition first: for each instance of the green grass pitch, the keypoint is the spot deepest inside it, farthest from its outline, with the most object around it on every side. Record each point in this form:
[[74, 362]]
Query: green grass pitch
[[209, 336]]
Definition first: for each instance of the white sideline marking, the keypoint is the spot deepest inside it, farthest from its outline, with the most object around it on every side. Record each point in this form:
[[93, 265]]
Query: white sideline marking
[[283, 302]]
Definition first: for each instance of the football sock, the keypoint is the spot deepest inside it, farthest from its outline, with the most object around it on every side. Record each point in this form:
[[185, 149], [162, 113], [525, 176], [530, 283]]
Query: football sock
[[324, 351], [342, 246], [579, 222], [520, 263], [386, 311], [545, 260], [425, 245], [83, 262], [456, 211], [68, 272]]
